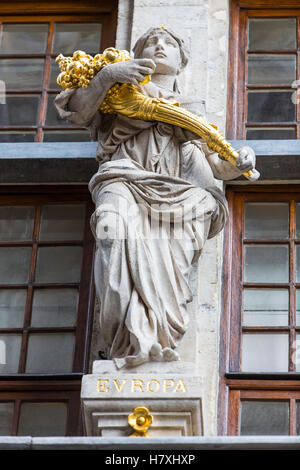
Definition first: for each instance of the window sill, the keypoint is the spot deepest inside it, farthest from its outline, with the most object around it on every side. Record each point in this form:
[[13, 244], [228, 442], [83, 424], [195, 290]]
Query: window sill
[[75, 162]]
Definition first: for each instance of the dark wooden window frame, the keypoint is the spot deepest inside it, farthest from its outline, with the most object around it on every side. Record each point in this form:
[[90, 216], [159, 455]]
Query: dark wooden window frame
[[51, 13], [234, 384], [59, 387], [240, 11]]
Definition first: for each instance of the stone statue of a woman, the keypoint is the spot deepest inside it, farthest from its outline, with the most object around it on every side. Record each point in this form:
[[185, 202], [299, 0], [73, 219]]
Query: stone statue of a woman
[[149, 173]]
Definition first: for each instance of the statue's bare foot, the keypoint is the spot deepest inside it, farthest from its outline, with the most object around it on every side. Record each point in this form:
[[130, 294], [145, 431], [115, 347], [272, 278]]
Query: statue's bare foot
[[137, 360], [156, 352], [170, 355]]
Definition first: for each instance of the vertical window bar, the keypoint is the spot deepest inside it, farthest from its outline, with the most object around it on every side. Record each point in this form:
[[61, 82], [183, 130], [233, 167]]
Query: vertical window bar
[[27, 318], [17, 406], [292, 289], [45, 85], [293, 413]]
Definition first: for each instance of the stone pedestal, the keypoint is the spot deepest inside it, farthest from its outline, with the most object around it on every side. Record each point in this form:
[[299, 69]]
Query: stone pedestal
[[171, 391]]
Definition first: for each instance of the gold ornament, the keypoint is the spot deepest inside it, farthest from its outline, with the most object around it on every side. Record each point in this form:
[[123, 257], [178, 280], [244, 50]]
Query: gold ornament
[[140, 420], [128, 100]]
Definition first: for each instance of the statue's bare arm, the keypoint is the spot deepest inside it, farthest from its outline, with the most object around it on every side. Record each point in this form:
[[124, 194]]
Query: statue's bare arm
[[224, 170]]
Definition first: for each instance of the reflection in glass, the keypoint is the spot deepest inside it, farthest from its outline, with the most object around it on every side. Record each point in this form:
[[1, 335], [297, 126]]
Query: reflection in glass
[[273, 34], [55, 71], [6, 418], [59, 264], [298, 262], [298, 418], [14, 266], [21, 74], [272, 69], [296, 357], [297, 214], [62, 222], [23, 38], [266, 307], [16, 136], [67, 136], [12, 307], [298, 307], [10, 347], [16, 223], [266, 263], [265, 352], [54, 307], [19, 110], [52, 117], [277, 133], [266, 220], [43, 419], [264, 418], [50, 353], [68, 37], [271, 106]]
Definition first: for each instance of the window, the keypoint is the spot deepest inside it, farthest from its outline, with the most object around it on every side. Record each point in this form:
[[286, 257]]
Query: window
[[45, 308], [28, 47], [264, 71], [46, 246], [262, 299]]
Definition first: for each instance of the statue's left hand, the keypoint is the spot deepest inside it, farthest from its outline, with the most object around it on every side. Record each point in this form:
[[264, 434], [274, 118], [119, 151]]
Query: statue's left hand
[[246, 160]]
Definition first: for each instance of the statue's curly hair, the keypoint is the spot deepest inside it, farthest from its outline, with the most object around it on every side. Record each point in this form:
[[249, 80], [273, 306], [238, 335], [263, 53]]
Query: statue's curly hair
[[140, 43]]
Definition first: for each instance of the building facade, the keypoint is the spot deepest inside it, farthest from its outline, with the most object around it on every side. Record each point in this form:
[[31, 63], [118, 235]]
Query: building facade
[[245, 321]]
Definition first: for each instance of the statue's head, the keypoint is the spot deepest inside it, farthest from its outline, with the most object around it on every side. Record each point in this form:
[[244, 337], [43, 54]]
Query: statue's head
[[165, 48]]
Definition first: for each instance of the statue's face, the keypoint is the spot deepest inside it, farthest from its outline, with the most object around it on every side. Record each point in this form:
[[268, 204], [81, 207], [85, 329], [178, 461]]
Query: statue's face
[[164, 51]]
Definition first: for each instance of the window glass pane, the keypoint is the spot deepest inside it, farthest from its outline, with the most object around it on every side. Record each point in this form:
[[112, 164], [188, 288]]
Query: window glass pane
[[298, 417], [6, 418], [52, 117], [265, 352], [264, 418], [266, 263], [43, 419], [19, 110], [20, 74], [272, 69], [297, 213], [10, 347], [23, 38], [69, 37], [66, 136], [14, 266], [60, 264], [298, 262], [271, 106], [296, 356], [266, 220], [271, 133], [62, 222], [273, 34], [12, 307], [266, 307], [50, 353], [54, 307], [15, 136], [16, 223], [55, 71], [298, 307]]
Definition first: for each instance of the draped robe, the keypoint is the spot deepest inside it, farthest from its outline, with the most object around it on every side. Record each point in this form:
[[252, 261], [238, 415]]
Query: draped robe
[[160, 177]]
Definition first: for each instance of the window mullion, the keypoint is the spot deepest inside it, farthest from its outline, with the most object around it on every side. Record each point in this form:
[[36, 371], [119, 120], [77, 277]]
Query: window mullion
[[28, 309], [292, 289], [45, 85]]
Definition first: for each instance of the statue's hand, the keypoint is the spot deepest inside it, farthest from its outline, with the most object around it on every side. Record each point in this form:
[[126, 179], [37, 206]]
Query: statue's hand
[[246, 160], [131, 71]]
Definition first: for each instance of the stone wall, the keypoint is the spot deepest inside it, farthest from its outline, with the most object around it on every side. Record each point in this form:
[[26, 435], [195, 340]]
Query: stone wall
[[204, 26]]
